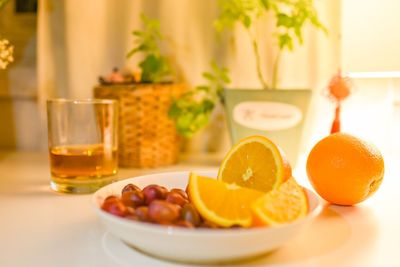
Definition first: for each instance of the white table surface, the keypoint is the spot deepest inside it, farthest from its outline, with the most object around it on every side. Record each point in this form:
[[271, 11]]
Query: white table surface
[[42, 228]]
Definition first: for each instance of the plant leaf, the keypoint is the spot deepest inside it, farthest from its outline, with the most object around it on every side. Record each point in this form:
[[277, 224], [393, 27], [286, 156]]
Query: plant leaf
[[192, 111], [154, 66], [285, 41], [266, 4], [284, 20]]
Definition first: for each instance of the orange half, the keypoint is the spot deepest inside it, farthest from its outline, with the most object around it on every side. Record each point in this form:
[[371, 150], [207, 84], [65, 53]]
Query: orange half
[[282, 205], [257, 163], [221, 203]]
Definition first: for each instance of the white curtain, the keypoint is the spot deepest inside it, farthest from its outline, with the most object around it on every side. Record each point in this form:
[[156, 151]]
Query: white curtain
[[80, 40]]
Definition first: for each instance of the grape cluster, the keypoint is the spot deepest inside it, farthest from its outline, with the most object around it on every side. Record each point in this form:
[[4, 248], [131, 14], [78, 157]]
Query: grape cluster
[[156, 204]]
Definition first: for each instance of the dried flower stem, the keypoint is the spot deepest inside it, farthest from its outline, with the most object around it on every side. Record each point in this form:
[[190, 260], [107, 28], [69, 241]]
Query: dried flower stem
[[6, 53]]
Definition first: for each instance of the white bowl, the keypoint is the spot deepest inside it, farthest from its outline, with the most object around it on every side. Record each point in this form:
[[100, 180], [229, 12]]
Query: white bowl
[[195, 245]]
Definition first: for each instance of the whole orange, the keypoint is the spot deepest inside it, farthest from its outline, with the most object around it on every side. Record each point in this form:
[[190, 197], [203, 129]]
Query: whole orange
[[344, 169]]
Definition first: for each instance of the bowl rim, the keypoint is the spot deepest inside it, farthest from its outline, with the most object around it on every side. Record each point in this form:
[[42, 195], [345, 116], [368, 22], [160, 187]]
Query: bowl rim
[[181, 231]]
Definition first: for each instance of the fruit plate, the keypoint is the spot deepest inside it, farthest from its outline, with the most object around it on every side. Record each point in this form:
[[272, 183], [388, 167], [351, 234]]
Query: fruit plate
[[195, 245]]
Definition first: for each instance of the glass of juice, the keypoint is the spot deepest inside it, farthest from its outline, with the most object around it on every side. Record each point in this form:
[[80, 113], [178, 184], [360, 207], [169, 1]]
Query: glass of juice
[[82, 137]]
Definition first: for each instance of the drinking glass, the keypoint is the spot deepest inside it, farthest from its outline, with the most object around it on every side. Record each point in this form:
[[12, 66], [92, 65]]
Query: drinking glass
[[82, 138]]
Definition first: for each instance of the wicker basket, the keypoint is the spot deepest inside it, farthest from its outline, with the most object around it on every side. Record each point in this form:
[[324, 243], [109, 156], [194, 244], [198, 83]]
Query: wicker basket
[[147, 136]]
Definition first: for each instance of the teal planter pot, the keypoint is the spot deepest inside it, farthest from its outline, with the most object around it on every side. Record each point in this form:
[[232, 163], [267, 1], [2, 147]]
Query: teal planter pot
[[277, 114]]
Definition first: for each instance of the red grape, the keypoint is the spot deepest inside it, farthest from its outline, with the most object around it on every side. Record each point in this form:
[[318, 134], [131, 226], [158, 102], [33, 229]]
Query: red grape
[[129, 188], [133, 198], [176, 198], [190, 214], [152, 192], [161, 211]]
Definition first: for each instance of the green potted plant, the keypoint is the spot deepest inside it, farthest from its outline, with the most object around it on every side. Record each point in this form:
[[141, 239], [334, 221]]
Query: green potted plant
[[278, 114], [147, 135]]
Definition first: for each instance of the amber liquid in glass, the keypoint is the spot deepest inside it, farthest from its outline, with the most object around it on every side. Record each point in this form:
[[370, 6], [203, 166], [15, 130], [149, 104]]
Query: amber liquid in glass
[[83, 161]]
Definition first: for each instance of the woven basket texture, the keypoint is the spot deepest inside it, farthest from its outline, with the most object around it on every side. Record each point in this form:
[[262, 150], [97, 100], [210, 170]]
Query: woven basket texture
[[147, 137]]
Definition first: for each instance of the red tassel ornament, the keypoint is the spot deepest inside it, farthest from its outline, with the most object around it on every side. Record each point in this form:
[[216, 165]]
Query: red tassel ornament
[[339, 88]]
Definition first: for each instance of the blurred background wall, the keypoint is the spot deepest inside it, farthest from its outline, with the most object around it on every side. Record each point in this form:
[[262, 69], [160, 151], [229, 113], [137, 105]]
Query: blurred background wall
[[62, 49], [19, 115]]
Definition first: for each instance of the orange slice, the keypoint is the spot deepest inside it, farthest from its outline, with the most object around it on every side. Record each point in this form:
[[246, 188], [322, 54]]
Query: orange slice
[[282, 205], [222, 203], [257, 163]]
